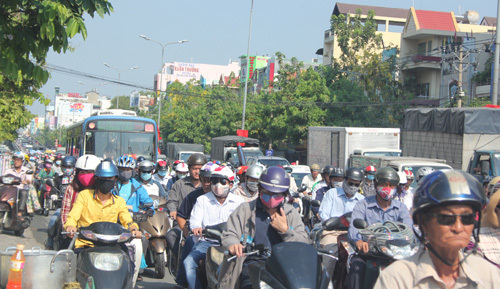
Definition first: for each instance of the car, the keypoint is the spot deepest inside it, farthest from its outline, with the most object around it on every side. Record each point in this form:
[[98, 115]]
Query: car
[[299, 172], [268, 161]]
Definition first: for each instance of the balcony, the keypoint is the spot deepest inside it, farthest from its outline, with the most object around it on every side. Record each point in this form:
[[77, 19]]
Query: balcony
[[426, 58], [420, 61], [329, 36]]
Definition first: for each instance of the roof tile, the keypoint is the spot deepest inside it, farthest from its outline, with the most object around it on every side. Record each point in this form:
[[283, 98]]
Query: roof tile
[[344, 8], [435, 20]]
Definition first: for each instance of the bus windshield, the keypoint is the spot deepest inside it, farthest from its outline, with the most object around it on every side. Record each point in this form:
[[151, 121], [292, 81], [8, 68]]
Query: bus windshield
[[115, 144]]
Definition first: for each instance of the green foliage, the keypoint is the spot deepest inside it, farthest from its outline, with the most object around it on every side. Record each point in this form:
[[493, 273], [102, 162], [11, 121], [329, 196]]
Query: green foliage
[[123, 102], [47, 137], [484, 76], [28, 29]]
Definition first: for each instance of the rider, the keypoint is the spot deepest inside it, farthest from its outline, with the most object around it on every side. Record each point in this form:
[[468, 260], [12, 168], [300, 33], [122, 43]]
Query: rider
[[448, 212], [57, 164], [375, 209], [67, 173], [402, 193], [20, 171], [181, 171], [46, 172], [248, 186], [145, 178], [490, 230], [367, 186], [161, 175], [325, 182], [310, 179], [335, 178], [267, 220], [210, 209]]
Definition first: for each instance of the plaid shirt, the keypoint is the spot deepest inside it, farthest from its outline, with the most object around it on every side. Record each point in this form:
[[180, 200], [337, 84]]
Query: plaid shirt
[[490, 244], [67, 202]]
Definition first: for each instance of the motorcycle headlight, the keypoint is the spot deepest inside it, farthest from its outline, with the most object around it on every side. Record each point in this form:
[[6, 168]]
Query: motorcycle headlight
[[7, 180], [264, 285], [107, 237], [399, 252], [106, 261]]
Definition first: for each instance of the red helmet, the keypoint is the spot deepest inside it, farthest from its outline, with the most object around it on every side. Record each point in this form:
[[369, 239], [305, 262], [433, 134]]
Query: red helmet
[[409, 174], [242, 170], [370, 170]]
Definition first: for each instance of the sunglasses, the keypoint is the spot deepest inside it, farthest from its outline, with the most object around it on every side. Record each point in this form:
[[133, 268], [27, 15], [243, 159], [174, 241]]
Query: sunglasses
[[215, 181], [450, 219], [354, 184]]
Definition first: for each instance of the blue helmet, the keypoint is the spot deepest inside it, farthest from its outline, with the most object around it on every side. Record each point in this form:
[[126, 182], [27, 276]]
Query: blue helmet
[[275, 180], [126, 162], [106, 169], [448, 187]]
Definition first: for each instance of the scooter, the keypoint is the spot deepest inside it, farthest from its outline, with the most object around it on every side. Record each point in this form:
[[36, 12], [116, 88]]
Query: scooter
[[46, 190], [9, 199], [106, 265], [155, 229], [56, 194]]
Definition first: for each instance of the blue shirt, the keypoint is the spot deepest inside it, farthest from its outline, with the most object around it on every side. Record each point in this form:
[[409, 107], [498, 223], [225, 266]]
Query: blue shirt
[[369, 210], [136, 194], [335, 203]]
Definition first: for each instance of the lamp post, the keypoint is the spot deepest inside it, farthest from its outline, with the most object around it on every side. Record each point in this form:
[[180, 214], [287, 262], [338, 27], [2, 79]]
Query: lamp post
[[247, 76], [161, 67], [119, 73]]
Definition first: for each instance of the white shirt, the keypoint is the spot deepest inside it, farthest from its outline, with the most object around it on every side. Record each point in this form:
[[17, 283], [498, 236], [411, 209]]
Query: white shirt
[[309, 181], [318, 186], [163, 181], [208, 211]]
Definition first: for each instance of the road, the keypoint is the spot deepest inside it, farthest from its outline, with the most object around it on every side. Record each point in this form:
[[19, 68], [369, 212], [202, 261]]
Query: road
[[36, 235]]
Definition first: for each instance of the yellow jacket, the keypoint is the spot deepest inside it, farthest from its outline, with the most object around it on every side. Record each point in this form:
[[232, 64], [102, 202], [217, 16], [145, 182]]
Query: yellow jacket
[[89, 209]]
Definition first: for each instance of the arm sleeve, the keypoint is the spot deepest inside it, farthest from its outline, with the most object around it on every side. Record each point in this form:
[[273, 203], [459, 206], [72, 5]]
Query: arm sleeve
[[173, 201], [195, 221], [326, 206], [124, 215], [359, 212], [67, 201], [405, 215], [76, 212], [184, 209], [161, 190], [235, 226], [143, 196]]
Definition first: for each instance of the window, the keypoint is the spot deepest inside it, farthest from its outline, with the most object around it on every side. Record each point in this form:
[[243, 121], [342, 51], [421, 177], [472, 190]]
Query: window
[[421, 48], [429, 47], [422, 89]]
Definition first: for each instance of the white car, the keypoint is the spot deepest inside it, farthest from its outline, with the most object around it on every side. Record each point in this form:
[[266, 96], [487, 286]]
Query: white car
[[299, 172]]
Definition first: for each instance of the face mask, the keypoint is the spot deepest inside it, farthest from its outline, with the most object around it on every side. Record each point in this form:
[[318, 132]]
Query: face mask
[[105, 186], [370, 177], [272, 201], [220, 190], [181, 176], [67, 172], [252, 186], [58, 163], [48, 166], [145, 176], [87, 180], [349, 190], [336, 184], [386, 193], [125, 175], [162, 173]]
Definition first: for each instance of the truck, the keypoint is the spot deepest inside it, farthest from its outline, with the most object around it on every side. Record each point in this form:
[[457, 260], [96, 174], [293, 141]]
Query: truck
[[225, 148], [335, 145], [182, 151], [467, 138]]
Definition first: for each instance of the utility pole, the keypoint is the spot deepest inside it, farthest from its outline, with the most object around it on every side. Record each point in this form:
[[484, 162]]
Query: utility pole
[[497, 60]]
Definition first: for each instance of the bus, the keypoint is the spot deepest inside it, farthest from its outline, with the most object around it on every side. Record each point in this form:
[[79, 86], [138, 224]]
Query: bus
[[112, 134]]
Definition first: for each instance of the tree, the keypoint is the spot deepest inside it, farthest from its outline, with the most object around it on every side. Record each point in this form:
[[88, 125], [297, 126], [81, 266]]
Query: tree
[[28, 29], [123, 102]]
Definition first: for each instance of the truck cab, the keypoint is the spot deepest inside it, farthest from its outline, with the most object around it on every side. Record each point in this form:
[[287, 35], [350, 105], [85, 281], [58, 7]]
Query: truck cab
[[484, 163]]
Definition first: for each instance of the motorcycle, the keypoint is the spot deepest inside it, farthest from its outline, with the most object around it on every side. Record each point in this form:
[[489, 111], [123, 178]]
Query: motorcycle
[[106, 265], [155, 228], [9, 200], [48, 193]]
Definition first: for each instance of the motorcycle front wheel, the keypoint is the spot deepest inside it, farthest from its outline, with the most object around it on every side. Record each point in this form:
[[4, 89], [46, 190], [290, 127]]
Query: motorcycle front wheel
[[160, 265]]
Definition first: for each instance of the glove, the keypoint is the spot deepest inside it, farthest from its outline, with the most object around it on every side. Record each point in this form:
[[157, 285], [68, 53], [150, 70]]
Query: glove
[[150, 212]]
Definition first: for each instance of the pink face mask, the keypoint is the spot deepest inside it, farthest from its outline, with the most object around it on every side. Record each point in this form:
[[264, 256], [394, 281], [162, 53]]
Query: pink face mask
[[272, 201], [48, 166], [386, 193], [87, 180]]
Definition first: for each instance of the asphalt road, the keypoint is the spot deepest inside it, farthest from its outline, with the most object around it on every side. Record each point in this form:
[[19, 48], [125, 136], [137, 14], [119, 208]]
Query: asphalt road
[[36, 235]]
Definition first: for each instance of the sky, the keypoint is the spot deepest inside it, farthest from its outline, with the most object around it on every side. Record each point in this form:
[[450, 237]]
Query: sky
[[217, 32]]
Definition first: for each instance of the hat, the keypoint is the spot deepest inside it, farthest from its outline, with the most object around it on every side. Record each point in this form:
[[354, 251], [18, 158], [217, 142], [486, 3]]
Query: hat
[[315, 167]]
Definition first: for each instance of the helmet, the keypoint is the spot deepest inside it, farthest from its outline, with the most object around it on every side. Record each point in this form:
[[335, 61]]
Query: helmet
[[26, 157], [182, 168], [370, 170], [254, 171], [354, 173], [387, 174], [126, 161], [223, 173], [207, 169], [444, 187], [196, 159], [161, 166], [492, 184], [402, 178], [106, 169], [68, 161], [337, 172], [48, 160], [18, 155], [59, 157], [423, 171], [139, 159], [242, 170], [327, 170], [146, 166], [275, 180], [315, 167], [409, 175], [87, 162]]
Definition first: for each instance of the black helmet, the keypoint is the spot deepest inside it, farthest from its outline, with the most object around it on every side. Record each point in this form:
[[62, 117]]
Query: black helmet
[[68, 161], [327, 170], [197, 159], [146, 166], [444, 187], [387, 174], [337, 172], [139, 159], [354, 173]]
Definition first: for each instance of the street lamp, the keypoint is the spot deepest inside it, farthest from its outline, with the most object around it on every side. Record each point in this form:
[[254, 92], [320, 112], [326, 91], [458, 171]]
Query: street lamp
[[119, 73], [247, 74], [161, 67]]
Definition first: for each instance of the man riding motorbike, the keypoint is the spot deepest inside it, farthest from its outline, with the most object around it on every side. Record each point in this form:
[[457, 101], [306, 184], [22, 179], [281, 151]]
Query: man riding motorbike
[[161, 175], [20, 171], [248, 189], [145, 178], [367, 186]]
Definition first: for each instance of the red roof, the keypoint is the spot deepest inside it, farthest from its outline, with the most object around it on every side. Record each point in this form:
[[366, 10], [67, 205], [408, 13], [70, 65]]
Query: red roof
[[435, 20]]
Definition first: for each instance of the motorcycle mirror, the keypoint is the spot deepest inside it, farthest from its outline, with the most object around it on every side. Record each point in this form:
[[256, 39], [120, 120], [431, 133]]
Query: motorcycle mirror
[[315, 203], [50, 182], [29, 172], [360, 224], [332, 223]]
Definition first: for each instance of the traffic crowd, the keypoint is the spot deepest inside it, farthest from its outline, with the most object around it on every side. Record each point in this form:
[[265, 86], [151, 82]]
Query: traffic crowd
[[454, 219]]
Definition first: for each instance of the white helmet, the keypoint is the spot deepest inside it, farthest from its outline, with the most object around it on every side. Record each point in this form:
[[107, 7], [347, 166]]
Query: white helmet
[[223, 173], [182, 168], [422, 172], [254, 171], [402, 178], [87, 162]]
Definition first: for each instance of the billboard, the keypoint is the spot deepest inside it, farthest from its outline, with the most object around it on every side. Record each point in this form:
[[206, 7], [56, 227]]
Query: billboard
[[185, 70], [75, 109], [134, 98]]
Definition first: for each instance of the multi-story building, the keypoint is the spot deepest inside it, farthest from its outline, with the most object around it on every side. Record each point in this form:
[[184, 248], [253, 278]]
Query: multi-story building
[[390, 23]]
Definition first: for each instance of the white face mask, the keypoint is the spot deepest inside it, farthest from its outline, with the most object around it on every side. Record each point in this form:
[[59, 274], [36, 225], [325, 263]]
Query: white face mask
[[336, 184], [220, 190], [253, 186]]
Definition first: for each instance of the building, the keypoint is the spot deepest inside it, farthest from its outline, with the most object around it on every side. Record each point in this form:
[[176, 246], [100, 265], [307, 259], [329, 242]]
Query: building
[[183, 72], [390, 23], [73, 107]]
